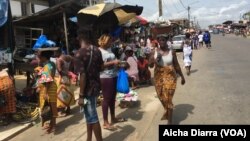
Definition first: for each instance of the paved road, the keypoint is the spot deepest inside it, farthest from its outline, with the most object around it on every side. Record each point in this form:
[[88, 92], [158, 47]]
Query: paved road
[[217, 92]]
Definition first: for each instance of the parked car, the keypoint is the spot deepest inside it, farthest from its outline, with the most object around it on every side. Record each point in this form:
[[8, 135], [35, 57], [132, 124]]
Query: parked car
[[178, 41], [216, 31]]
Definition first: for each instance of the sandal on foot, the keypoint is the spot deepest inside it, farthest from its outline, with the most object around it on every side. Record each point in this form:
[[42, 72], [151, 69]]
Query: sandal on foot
[[110, 128], [61, 115], [50, 130], [119, 120]]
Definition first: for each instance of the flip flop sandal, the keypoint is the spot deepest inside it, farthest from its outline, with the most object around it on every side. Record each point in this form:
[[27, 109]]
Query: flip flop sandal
[[120, 120], [61, 115], [50, 130], [110, 128], [46, 127]]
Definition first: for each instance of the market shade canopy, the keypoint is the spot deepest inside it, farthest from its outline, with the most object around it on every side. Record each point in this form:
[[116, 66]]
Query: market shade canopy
[[139, 19], [107, 15]]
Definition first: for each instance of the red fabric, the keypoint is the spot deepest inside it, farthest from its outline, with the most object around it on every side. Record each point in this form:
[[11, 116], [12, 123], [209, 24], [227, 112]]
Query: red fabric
[[144, 72], [142, 65], [142, 20]]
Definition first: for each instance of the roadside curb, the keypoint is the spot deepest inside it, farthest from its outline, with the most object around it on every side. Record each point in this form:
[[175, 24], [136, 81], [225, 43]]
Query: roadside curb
[[18, 132], [29, 125]]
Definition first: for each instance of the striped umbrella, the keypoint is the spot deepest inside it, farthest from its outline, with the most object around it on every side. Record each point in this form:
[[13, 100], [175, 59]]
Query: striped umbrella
[[107, 15]]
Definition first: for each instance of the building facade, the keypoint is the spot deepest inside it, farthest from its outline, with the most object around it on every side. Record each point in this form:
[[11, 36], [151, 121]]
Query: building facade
[[28, 7], [182, 22]]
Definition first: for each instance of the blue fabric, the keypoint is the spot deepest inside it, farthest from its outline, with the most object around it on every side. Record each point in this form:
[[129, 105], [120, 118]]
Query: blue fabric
[[3, 12], [40, 42], [73, 19], [122, 82], [117, 32], [50, 43], [90, 110], [206, 37]]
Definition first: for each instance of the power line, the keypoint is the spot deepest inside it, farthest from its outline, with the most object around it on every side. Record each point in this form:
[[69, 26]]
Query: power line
[[166, 7], [170, 6], [182, 4]]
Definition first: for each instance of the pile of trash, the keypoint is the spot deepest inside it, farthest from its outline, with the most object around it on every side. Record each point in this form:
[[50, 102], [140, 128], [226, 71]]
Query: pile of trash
[[131, 96]]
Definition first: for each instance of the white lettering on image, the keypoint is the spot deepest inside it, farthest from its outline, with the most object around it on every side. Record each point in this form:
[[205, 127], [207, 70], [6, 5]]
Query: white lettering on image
[[170, 132]]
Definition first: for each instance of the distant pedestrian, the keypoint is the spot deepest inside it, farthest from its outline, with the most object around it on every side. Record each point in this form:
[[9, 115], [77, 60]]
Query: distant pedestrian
[[89, 64], [166, 67], [195, 40], [187, 56], [207, 39], [200, 36]]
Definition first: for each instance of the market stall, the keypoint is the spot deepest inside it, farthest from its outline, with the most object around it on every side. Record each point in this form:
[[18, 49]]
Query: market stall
[[53, 22], [7, 89]]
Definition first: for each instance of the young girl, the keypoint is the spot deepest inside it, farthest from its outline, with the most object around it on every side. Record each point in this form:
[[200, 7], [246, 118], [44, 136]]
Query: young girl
[[187, 55]]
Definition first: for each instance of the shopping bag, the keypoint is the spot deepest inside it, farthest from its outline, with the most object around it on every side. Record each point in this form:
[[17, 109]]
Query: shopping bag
[[122, 82]]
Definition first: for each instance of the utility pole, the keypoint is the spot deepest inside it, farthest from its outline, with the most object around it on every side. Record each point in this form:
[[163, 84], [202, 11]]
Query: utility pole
[[194, 22], [160, 8], [188, 17], [114, 1]]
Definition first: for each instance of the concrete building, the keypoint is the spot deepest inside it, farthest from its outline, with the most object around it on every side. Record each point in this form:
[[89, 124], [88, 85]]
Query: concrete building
[[28, 7], [182, 22]]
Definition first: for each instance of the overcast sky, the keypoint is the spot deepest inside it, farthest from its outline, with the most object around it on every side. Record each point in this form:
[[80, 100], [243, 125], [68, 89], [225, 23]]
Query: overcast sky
[[206, 11]]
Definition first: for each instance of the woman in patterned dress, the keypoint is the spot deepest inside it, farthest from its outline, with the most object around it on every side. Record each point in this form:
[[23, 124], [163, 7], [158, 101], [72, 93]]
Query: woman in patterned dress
[[165, 77], [48, 88]]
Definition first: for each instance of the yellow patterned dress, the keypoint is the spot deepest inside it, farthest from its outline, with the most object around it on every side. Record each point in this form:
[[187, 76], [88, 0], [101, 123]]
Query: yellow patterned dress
[[165, 78], [47, 79]]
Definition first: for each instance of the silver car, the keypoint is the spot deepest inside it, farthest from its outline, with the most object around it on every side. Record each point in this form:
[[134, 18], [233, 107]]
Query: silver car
[[177, 42]]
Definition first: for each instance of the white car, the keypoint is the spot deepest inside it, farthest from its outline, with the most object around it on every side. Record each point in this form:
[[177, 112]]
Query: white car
[[178, 41]]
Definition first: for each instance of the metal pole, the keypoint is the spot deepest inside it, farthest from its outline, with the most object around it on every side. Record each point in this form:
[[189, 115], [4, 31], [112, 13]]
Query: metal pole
[[188, 17], [66, 32], [160, 8], [114, 1]]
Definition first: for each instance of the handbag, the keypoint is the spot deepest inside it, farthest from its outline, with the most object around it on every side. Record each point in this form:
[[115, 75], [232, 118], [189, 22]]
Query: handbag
[[46, 112], [122, 82], [2, 101]]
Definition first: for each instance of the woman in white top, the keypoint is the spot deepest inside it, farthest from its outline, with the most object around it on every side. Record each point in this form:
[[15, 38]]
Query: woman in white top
[[166, 67], [108, 81]]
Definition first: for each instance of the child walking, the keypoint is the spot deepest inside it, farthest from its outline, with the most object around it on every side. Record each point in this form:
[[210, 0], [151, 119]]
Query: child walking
[[187, 56]]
